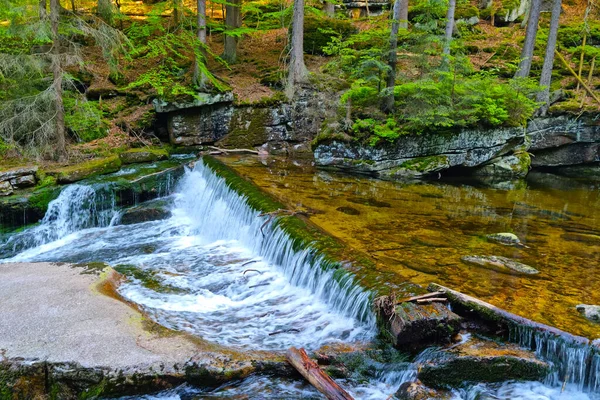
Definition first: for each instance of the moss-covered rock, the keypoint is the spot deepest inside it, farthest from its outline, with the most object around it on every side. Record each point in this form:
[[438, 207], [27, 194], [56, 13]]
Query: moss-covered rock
[[152, 211], [134, 156], [480, 360], [77, 172]]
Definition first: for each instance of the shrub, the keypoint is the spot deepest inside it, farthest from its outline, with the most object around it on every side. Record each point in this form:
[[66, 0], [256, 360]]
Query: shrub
[[319, 31], [84, 119]]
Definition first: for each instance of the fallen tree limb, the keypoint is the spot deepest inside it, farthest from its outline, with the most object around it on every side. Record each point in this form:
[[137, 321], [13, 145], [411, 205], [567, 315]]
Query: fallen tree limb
[[313, 374], [432, 300], [421, 296], [226, 151], [585, 86], [492, 313]]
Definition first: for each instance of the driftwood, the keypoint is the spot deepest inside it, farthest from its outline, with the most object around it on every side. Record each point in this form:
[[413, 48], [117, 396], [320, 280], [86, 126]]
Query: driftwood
[[313, 374], [489, 312], [219, 150], [420, 297], [432, 300]]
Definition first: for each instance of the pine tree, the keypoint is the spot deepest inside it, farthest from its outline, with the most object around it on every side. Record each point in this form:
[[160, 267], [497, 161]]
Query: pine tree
[[233, 20], [546, 75], [297, 72], [530, 35], [388, 101]]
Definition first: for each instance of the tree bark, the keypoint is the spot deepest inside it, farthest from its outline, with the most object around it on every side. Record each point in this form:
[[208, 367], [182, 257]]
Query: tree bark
[[199, 77], [233, 20], [297, 72], [329, 9], [403, 17], [529, 45], [319, 379], [546, 76], [449, 28], [61, 150], [42, 9], [388, 101]]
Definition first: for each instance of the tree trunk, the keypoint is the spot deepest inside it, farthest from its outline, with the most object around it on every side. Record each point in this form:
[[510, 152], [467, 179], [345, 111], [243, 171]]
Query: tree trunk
[[61, 150], [105, 10], [388, 101], [403, 17], [530, 34], [297, 72], [329, 9], [199, 77], [449, 27], [42, 9], [546, 76], [233, 20]]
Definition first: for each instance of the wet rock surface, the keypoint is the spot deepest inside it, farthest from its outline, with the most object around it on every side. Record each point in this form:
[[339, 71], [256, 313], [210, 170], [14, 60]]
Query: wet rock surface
[[17, 178], [142, 155], [506, 238], [152, 211], [481, 360], [501, 264], [591, 312], [64, 330]]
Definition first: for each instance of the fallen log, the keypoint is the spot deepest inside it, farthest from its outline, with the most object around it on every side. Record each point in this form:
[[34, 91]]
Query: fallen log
[[494, 314], [313, 374], [219, 150], [432, 300]]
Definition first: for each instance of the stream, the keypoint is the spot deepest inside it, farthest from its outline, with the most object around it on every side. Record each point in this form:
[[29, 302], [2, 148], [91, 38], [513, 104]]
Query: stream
[[211, 271]]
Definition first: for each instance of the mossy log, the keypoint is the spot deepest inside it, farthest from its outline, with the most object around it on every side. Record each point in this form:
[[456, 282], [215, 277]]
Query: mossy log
[[472, 306]]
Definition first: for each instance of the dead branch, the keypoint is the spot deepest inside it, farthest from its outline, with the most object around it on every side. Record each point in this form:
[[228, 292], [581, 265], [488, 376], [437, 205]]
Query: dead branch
[[420, 297], [252, 270], [284, 331], [227, 151]]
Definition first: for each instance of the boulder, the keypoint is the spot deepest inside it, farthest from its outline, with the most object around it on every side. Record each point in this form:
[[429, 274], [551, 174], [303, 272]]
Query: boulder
[[77, 172], [506, 238], [17, 172], [576, 153], [153, 211], [591, 312], [201, 100], [23, 181], [134, 156], [417, 391], [410, 325], [6, 189], [481, 360], [500, 264], [511, 166]]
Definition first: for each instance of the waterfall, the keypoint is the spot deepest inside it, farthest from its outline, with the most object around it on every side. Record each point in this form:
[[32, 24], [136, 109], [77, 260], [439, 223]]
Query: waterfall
[[219, 213], [575, 363], [77, 207]]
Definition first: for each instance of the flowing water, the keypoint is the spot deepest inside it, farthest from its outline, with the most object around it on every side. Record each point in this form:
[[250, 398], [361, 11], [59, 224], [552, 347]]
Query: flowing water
[[209, 270]]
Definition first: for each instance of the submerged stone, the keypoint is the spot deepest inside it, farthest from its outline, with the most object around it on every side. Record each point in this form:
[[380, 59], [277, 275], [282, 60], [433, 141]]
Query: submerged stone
[[418, 391], [152, 211], [501, 264], [481, 360], [371, 202], [591, 312], [348, 210], [509, 239]]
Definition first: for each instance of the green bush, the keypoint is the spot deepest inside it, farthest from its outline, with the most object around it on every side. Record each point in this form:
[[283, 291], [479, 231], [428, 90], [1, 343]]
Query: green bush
[[572, 35], [319, 31], [83, 119]]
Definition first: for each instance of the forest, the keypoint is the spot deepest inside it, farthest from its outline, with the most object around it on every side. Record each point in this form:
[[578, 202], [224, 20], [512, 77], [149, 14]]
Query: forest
[[78, 78]]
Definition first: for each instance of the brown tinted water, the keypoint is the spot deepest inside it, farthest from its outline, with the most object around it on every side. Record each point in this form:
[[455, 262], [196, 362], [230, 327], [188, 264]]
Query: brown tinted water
[[419, 231]]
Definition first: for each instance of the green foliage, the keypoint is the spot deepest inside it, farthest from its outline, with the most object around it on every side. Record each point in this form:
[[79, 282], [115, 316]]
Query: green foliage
[[319, 31], [271, 14], [572, 35], [84, 118]]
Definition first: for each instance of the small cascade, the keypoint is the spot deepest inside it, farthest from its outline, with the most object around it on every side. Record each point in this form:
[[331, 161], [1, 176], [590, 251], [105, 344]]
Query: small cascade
[[77, 207], [576, 363], [219, 213]]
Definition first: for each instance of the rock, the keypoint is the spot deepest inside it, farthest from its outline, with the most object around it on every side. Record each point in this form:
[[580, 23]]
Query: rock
[[591, 312], [509, 239], [153, 211], [6, 189], [420, 155], [23, 181], [417, 391], [586, 238], [134, 156], [511, 166], [88, 169], [577, 153], [64, 327], [348, 210], [501, 264], [17, 172], [481, 360], [412, 325], [201, 100]]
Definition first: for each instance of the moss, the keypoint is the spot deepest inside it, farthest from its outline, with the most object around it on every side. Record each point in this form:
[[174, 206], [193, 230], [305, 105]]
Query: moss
[[423, 164], [248, 128], [142, 155], [524, 163], [77, 172], [326, 136], [466, 11], [40, 199], [148, 279]]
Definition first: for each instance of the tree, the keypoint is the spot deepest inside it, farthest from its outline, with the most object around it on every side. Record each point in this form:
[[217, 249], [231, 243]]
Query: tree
[[297, 72], [233, 20], [388, 101], [403, 17], [105, 11], [546, 75], [57, 75], [449, 28], [42, 9], [530, 35], [199, 76], [329, 8]]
